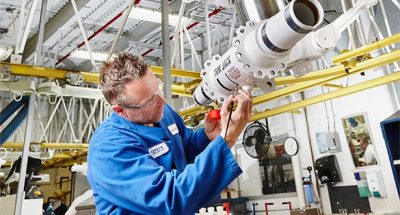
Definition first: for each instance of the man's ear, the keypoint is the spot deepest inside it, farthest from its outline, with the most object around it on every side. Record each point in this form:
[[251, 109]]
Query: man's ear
[[119, 110]]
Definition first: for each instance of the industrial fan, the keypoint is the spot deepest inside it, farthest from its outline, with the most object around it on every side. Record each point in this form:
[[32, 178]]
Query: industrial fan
[[256, 140]]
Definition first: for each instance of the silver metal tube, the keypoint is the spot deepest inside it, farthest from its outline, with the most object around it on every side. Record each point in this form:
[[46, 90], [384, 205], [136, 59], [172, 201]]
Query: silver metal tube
[[39, 48], [166, 51], [24, 161]]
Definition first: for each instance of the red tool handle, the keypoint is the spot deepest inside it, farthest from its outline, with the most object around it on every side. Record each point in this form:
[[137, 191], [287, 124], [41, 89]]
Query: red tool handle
[[227, 207], [214, 114]]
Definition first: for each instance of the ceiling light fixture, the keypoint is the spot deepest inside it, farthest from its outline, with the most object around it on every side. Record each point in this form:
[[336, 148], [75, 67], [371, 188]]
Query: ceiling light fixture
[[83, 54], [155, 16]]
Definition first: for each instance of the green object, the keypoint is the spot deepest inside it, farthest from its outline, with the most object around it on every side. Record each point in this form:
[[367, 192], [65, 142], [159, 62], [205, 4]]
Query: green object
[[377, 194], [364, 192]]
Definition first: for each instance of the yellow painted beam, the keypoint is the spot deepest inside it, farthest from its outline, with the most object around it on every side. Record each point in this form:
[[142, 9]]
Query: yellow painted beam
[[177, 72], [94, 78], [336, 70], [293, 89], [192, 111], [359, 67], [19, 145], [89, 77], [365, 49], [377, 61], [333, 86], [327, 96]]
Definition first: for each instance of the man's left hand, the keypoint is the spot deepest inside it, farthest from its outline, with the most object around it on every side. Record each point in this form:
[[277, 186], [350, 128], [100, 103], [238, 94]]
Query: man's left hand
[[212, 127]]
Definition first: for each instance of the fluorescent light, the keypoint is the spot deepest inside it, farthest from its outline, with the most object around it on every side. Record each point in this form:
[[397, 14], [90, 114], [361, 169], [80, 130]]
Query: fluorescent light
[[155, 16], [5, 52], [97, 56]]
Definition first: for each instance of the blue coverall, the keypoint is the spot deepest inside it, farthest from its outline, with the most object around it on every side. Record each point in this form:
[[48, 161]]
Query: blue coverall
[[131, 171]]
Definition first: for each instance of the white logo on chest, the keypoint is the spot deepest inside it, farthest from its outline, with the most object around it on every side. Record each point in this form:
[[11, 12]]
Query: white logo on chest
[[173, 129], [158, 150]]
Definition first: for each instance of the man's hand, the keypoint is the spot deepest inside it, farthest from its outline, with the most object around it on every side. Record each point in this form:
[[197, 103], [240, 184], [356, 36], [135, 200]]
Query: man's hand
[[212, 127], [239, 118]]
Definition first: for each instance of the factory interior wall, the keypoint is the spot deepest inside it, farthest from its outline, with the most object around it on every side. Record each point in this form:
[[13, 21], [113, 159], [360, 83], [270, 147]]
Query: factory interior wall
[[52, 188], [376, 103]]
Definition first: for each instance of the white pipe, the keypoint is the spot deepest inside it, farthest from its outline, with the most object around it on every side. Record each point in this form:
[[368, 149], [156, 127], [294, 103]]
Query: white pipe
[[89, 118], [385, 19], [232, 29], [20, 26], [296, 163], [182, 50], [360, 30], [208, 33], [396, 3], [78, 18], [50, 119], [380, 36], [126, 15], [24, 161], [178, 27], [67, 113], [27, 26], [192, 46], [193, 60], [352, 43], [40, 121]]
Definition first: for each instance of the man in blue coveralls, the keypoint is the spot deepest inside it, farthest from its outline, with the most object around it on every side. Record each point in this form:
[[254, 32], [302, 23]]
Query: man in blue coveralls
[[143, 159]]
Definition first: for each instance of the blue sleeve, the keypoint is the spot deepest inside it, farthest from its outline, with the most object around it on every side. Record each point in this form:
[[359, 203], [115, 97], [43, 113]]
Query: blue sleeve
[[194, 142], [122, 172]]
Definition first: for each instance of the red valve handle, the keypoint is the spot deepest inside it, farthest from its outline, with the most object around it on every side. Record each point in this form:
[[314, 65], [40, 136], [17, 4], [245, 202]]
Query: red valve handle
[[214, 114]]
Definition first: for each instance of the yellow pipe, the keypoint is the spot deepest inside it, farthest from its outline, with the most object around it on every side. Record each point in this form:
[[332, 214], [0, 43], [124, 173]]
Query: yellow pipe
[[377, 61], [336, 70], [331, 95], [292, 89], [19, 145], [89, 77], [359, 67], [177, 72], [333, 86], [363, 50]]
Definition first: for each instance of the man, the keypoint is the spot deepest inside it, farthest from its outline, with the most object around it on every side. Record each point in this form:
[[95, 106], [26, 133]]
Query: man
[[369, 157], [143, 160]]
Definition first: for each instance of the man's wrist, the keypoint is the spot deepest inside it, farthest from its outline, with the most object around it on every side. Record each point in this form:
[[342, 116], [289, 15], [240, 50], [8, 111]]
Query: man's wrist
[[227, 139]]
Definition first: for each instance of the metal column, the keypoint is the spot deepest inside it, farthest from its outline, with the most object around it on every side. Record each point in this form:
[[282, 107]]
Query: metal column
[[166, 52], [25, 151]]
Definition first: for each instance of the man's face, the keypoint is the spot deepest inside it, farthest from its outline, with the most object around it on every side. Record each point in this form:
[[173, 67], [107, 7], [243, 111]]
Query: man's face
[[145, 102], [364, 144]]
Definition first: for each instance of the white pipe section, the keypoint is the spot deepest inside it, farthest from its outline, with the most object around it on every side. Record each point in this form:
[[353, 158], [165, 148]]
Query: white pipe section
[[396, 3], [20, 26], [78, 18], [296, 163], [385, 19], [40, 122], [193, 60], [50, 119], [232, 29], [179, 26], [121, 28], [27, 27], [192, 46], [208, 33], [395, 94], [24, 161], [182, 50], [89, 118]]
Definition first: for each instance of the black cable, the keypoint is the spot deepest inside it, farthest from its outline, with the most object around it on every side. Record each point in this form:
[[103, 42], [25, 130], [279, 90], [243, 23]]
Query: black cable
[[230, 112], [229, 119]]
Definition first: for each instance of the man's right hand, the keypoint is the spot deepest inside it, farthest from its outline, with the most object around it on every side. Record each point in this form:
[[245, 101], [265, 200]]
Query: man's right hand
[[239, 118]]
